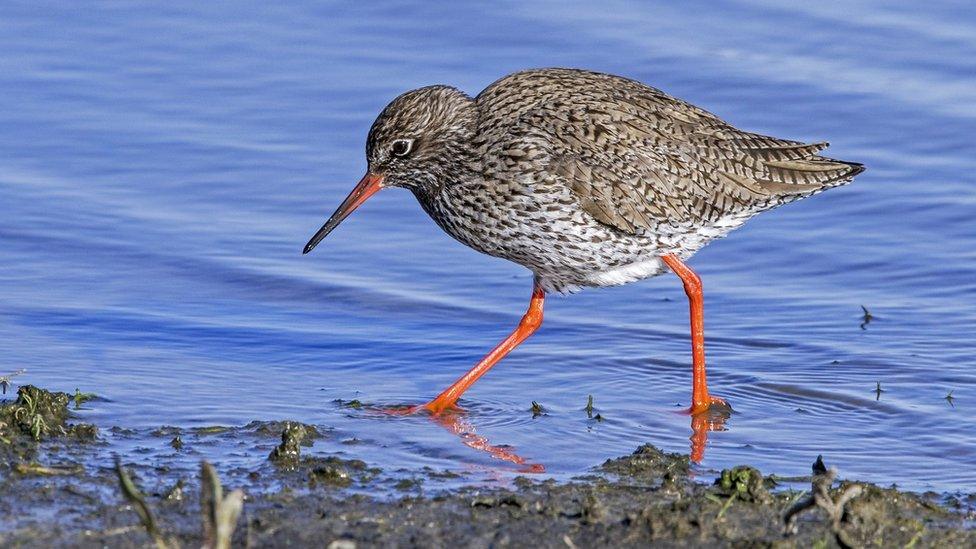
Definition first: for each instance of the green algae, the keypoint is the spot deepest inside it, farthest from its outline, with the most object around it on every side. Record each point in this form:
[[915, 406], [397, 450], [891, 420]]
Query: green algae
[[40, 414], [81, 398], [744, 483]]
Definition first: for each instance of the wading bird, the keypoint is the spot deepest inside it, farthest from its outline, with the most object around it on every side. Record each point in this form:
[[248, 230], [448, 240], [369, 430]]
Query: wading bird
[[586, 179]]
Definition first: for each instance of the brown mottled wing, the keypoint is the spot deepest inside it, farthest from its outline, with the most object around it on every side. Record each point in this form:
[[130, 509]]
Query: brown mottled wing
[[633, 172], [636, 157]]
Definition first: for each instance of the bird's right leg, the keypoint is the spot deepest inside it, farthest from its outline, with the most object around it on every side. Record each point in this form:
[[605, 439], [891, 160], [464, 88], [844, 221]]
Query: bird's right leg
[[529, 324]]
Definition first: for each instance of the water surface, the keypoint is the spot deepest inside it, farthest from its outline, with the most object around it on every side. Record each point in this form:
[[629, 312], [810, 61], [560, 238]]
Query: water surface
[[161, 168]]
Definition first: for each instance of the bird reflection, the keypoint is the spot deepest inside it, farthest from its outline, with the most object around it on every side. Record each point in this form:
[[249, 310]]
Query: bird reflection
[[455, 420], [712, 419]]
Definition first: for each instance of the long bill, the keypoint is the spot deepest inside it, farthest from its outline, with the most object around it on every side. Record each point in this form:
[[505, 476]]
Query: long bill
[[367, 187]]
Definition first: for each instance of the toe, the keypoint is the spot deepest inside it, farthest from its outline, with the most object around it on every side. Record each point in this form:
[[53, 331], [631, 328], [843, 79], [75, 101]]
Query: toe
[[702, 406]]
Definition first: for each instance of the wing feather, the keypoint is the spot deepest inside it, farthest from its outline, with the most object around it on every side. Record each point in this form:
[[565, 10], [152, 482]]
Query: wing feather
[[635, 157]]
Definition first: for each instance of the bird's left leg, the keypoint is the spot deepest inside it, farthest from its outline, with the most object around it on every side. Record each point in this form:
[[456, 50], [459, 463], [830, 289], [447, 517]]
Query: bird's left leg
[[700, 399], [529, 324]]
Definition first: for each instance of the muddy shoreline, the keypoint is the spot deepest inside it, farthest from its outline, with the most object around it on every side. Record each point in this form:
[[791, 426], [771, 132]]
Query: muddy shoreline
[[51, 495]]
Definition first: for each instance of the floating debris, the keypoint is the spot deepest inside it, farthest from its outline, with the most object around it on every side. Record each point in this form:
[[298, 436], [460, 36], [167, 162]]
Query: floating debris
[[210, 430], [589, 406], [355, 403], [537, 409], [866, 318], [5, 380], [36, 469]]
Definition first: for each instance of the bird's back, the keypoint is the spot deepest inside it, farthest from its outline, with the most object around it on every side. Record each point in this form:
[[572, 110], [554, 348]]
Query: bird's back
[[636, 158]]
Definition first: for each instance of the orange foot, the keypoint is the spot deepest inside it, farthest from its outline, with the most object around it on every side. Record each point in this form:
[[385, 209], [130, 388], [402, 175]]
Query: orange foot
[[704, 405], [406, 410]]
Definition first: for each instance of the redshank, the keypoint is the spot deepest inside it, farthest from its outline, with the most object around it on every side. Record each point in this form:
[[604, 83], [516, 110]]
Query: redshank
[[586, 179]]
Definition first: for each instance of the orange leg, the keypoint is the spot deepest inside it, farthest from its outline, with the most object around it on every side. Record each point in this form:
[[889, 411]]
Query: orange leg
[[529, 324], [700, 399]]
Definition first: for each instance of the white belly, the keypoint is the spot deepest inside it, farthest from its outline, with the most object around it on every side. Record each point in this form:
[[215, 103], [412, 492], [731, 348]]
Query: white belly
[[628, 273]]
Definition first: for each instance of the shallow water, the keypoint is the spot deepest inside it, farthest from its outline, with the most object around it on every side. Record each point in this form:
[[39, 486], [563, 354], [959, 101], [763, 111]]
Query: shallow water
[[160, 170]]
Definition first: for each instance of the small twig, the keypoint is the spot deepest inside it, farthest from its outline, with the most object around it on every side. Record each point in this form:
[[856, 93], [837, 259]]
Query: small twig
[[74, 490], [132, 494], [797, 498], [41, 470], [220, 514], [820, 497], [118, 531], [728, 503], [918, 535]]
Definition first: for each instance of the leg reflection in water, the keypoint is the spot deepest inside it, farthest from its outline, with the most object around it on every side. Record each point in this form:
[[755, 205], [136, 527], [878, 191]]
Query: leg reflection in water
[[712, 419], [455, 420]]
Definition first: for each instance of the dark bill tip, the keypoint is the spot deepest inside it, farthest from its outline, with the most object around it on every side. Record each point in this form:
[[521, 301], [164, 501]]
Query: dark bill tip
[[366, 188]]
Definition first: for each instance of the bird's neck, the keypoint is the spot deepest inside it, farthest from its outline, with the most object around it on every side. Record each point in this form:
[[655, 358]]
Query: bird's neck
[[437, 194], [443, 198]]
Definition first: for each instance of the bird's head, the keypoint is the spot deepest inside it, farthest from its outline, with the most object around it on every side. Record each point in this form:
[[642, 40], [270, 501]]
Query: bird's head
[[420, 141]]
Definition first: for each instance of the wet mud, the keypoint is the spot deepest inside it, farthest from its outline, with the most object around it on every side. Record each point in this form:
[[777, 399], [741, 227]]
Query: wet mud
[[60, 486]]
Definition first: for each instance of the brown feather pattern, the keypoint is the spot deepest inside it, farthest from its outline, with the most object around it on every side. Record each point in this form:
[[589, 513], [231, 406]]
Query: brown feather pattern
[[588, 178]]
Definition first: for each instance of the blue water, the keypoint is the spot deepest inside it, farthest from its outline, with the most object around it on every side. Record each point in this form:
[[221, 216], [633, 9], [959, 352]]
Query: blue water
[[161, 169]]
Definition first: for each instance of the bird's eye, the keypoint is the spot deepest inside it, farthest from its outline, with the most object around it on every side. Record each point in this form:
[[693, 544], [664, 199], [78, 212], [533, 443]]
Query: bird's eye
[[402, 147]]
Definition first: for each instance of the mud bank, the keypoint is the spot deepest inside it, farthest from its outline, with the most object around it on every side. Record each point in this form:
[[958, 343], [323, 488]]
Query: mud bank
[[52, 495]]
